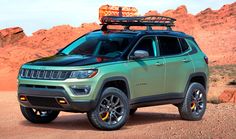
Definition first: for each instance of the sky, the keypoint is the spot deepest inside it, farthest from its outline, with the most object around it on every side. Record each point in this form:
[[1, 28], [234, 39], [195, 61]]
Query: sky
[[33, 15]]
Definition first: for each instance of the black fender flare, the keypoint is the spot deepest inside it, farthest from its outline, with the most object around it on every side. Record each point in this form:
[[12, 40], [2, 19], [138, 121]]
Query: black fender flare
[[114, 78], [197, 74]]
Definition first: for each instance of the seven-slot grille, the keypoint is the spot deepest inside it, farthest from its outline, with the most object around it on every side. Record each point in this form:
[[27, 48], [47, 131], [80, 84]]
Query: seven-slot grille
[[44, 74]]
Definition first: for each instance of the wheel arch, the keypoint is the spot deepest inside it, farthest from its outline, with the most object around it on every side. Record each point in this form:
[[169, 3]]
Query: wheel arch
[[116, 81], [199, 77]]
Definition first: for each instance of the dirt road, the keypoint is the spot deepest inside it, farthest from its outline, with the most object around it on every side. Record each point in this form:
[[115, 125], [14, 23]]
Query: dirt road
[[151, 122]]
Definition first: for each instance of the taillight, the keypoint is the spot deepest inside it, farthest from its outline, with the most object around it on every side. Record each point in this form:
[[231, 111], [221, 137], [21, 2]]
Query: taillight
[[206, 59]]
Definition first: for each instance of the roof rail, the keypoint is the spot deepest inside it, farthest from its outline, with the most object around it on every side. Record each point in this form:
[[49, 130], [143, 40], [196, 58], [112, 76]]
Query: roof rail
[[147, 21]]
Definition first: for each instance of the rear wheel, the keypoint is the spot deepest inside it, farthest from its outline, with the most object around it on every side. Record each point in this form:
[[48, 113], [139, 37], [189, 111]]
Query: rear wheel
[[194, 105], [112, 110], [39, 116]]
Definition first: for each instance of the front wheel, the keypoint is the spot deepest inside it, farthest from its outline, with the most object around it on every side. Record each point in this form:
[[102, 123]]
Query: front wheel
[[112, 110], [39, 116], [194, 105]]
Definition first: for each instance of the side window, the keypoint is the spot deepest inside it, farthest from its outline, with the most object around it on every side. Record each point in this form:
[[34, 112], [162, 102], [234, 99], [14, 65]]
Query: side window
[[168, 46], [147, 44], [184, 45]]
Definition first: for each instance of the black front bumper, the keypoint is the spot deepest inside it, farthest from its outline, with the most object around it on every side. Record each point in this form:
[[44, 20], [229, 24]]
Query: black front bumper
[[46, 97]]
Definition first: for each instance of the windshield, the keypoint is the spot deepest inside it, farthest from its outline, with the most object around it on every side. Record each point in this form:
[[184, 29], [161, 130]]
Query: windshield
[[108, 45]]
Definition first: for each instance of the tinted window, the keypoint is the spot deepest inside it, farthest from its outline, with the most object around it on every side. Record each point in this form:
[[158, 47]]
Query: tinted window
[[109, 45], [184, 45], [168, 46], [146, 44]]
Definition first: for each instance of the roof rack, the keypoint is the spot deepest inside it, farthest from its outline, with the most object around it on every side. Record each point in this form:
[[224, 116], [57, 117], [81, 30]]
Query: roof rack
[[147, 21]]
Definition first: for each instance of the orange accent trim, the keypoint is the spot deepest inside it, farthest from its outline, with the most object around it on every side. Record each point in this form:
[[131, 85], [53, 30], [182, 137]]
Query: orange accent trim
[[62, 101], [23, 98], [193, 105], [105, 117], [93, 74]]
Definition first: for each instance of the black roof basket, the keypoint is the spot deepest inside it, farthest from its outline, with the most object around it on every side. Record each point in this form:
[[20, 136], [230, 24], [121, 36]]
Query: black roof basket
[[147, 21]]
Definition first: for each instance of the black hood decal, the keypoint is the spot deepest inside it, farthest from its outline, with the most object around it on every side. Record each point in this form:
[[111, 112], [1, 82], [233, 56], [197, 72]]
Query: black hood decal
[[69, 60]]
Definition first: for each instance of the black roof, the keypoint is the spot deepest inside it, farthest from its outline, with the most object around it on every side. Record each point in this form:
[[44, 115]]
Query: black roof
[[146, 32]]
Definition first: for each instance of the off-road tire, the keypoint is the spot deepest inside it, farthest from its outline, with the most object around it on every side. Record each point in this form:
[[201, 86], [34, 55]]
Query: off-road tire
[[99, 123], [185, 108], [36, 117]]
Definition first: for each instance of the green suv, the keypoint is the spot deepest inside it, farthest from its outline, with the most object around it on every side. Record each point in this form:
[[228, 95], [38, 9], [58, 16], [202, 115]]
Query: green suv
[[109, 73]]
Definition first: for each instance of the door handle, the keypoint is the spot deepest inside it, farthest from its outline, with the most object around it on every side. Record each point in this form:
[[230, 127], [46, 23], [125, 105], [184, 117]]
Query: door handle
[[159, 64], [186, 60]]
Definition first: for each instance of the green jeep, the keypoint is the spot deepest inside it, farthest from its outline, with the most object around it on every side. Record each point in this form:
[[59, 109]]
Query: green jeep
[[109, 73]]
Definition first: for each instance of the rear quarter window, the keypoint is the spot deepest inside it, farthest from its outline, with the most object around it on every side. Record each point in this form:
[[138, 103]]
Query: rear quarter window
[[184, 45], [192, 44]]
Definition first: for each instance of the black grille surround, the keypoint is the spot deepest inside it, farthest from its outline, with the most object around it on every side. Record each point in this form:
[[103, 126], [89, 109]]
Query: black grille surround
[[44, 74]]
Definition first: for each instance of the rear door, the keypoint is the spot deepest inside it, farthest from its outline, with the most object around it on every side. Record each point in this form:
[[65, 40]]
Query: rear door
[[178, 64]]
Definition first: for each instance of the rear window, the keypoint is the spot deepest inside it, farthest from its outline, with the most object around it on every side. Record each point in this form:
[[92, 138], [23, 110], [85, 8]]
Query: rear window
[[168, 46]]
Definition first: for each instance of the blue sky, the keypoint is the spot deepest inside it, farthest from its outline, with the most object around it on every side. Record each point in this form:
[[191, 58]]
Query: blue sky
[[32, 15]]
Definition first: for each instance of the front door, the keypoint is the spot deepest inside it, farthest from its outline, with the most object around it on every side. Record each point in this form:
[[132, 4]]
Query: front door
[[147, 74]]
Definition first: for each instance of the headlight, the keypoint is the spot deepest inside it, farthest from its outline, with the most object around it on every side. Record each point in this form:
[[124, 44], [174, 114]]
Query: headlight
[[82, 74]]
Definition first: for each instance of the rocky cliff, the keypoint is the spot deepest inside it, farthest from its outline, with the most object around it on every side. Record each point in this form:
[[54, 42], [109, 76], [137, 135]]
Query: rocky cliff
[[11, 35]]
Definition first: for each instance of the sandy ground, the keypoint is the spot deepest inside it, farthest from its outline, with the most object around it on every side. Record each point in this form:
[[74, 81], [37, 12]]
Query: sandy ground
[[151, 122]]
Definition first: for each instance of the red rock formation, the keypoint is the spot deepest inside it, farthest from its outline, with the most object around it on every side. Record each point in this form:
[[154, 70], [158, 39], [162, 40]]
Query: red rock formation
[[151, 13], [228, 96], [41, 43], [181, 11], [11, 35]]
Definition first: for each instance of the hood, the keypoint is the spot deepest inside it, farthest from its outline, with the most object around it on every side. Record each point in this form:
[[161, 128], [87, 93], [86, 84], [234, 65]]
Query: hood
[[69, 60]]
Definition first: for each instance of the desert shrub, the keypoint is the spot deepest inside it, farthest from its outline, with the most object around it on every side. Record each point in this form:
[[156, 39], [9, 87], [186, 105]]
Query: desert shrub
[[214, 100]]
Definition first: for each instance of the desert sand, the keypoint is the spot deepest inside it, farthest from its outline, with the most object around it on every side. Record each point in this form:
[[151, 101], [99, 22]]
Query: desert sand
[[151, 122]]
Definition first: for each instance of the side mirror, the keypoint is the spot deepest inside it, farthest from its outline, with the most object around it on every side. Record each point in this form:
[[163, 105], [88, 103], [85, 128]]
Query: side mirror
[[138, 54]]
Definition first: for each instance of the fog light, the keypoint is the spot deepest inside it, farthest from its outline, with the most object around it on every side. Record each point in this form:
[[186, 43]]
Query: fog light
[[80, 90], [61, 101], [23, 98]]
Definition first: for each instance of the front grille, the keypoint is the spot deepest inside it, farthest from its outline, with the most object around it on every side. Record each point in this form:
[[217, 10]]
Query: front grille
[[43, 102], [44, 74]]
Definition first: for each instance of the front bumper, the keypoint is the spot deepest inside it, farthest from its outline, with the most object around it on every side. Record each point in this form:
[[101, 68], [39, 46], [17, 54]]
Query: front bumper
[[43, 93], [46, 97]]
